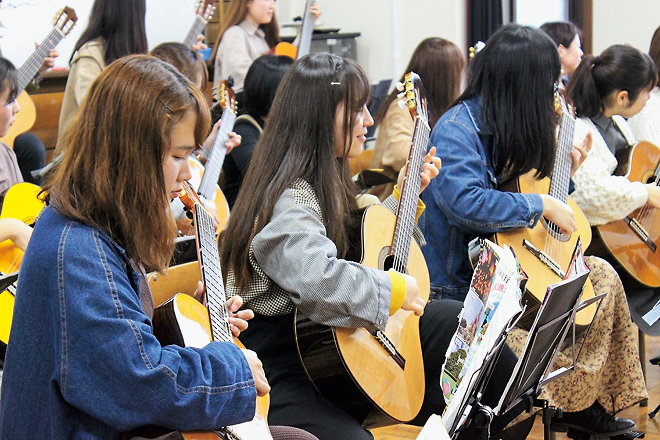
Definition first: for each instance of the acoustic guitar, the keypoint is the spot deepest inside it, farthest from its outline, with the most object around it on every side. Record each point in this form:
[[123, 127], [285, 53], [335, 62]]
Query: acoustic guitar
[[544, 252], [634, 241], [62, 25], [305, 41], [378, 376], [209, 173], [21, 203], [184, 321], [204, 11]]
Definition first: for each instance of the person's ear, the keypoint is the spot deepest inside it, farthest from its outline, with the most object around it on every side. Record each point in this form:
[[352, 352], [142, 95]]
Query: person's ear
[[622, 98]]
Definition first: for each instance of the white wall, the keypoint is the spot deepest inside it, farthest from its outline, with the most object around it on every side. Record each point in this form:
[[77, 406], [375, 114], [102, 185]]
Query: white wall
[[390, 29], [382, 52], [632, 21], [27, 21]]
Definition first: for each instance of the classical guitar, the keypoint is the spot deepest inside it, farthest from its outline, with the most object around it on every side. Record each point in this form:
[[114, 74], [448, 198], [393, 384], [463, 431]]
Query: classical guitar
[[378, 376], [305, 41], [21, 203], [634, 240], [544, 252], [209, 173], [184, 321], [62, 25], [203, 13]]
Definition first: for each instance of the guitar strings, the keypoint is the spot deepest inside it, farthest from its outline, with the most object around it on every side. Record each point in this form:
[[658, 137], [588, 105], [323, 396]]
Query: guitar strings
[[646, 215]]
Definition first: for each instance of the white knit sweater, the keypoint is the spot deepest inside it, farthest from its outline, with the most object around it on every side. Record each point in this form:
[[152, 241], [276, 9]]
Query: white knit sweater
[[602, 196], [646, 124]]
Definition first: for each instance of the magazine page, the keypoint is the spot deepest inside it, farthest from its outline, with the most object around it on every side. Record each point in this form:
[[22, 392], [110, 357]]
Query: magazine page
[[493, 299]]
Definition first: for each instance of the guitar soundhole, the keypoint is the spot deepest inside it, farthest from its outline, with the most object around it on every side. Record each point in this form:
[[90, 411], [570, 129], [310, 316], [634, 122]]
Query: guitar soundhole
[[388, 260], [553, 230]]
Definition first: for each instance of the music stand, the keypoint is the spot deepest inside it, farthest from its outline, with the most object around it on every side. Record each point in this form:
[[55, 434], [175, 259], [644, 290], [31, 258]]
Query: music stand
[[555, 319]]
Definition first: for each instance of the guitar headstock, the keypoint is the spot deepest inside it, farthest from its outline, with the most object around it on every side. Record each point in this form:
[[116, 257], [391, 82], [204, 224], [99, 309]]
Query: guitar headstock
[[189, 197], [413, 96], [224, 95], [205, 9], [65, 19]]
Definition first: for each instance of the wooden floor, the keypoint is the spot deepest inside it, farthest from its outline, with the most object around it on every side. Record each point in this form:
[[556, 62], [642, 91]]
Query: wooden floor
[[639, 414]]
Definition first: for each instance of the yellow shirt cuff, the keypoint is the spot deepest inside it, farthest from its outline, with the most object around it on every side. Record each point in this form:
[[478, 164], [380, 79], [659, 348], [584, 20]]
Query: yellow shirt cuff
[[398, 290], [420, 205]]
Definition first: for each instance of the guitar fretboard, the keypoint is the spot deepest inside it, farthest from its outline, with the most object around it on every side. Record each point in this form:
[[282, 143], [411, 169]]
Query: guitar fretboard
[[213, 166], [34, 62], [405, 223], [195, 30], [305, 44], [561, 173], [212, 276]]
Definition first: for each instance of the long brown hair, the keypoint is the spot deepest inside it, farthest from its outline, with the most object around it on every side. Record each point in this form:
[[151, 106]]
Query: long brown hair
[[439, 63], [186, 60], [654, 50], [238, 10], [111, 176], [298, 142]]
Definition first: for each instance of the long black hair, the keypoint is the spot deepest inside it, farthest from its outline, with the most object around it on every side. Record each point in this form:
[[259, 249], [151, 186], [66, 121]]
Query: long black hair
[[261, 81], [619, 67], [121, 25], [299, 142], [515, 75]]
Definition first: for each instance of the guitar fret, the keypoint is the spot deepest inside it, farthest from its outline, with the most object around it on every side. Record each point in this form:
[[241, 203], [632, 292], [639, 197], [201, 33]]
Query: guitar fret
[[31, 66], [216, 159], [195, 30]]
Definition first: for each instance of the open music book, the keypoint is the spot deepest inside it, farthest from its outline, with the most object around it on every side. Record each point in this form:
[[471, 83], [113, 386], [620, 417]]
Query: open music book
[[491, 303]]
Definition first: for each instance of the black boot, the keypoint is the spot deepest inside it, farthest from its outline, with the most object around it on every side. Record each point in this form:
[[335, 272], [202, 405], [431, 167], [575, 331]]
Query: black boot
[[593, 420]]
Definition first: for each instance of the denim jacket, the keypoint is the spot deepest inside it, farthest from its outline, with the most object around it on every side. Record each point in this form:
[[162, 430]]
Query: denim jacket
[[83, 362], [463, 202]]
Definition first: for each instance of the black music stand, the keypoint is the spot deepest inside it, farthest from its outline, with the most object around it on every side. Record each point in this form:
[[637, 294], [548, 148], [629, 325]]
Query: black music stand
[[555, 319]]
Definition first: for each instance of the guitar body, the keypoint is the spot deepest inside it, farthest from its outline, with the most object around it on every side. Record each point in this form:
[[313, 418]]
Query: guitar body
[[624, 244], [21, 203], [25, 119], [286, 49], [348, 366], [184, 321], [540, 276]]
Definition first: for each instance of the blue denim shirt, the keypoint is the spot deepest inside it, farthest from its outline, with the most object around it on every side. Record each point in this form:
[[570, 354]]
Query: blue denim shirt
[[463, 202], [82, 362]]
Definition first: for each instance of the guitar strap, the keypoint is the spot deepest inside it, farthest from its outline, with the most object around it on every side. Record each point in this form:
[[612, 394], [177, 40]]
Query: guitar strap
[[251, 120]]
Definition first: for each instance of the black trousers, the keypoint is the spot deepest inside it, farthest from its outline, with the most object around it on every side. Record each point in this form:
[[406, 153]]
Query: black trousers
[[294, 401], [30, 155]]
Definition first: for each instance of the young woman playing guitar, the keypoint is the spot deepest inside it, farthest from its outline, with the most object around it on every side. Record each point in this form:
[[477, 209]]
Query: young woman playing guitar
[[502, 127], [82, 336], [290, 214]]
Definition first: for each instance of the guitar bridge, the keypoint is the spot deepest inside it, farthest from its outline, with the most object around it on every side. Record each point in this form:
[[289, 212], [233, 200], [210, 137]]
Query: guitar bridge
[[641, 232], [389, 347], [544, 258]]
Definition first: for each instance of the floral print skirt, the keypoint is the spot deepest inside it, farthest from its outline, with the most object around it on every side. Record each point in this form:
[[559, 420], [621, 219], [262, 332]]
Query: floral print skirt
[[608, 367]]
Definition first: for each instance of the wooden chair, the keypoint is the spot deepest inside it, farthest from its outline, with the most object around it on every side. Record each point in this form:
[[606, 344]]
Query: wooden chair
[[361, 162], [179, 279]]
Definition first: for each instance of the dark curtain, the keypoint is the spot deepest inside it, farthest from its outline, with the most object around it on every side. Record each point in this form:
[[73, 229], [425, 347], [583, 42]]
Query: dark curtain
[[484, 18]]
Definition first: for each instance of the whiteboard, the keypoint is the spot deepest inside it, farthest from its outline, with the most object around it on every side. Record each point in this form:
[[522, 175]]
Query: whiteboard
[[29, 21]]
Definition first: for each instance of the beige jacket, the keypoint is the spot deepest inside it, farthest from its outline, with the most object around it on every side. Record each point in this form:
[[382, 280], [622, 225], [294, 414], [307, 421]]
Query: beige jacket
[[87, 63]]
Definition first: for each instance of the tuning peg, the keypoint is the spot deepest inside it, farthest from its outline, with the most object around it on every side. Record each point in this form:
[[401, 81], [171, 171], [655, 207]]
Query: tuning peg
[[399, 86], [402, 104], [401, 95]]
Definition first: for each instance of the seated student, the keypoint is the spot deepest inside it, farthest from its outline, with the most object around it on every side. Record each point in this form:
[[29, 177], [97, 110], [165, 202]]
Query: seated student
[[567, 37], [82, 336], [290, 215], [261, 83], [645, 125], [249, 31], [502, 127], [439, 63]]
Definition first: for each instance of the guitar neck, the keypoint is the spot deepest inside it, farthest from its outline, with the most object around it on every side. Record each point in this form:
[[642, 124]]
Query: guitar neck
[[213, 166], [405, 222], [209, 260], [306, 30], [195, 30], [34, 62], [561, 173]]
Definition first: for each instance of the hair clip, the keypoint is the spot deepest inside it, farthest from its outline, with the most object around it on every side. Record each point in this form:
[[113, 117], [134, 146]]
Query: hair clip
[[476, 48], [165, 105], [335, 83]]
